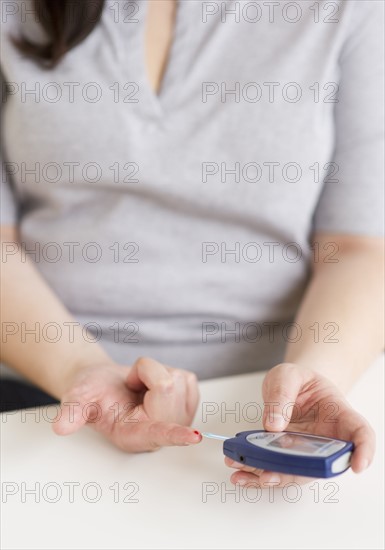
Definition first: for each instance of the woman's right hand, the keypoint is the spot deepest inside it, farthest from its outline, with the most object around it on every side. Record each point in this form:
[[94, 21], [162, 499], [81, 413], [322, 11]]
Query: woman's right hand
[[138, 408]]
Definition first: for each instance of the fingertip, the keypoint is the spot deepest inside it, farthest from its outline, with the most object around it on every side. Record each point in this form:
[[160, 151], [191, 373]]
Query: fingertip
[[195, 437], [245, 479], [59, 425], [67, 426], [233, 464], [274, 422], [359, 465], [234, 479], [363, 453], [62, 427], [270, 478], [182, 436]]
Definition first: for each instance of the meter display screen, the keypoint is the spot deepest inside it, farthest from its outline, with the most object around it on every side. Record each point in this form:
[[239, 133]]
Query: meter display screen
[[299, 443]]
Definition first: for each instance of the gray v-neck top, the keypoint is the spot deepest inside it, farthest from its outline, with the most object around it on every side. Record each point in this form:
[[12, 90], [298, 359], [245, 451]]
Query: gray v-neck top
[[177, 225]]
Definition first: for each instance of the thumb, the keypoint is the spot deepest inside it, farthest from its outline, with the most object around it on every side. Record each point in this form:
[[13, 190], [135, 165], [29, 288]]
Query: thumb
[[73, 414], [281, 387]]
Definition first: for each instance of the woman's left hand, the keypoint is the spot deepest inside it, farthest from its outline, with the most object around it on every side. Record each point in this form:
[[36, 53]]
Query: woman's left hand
[[301, 400]]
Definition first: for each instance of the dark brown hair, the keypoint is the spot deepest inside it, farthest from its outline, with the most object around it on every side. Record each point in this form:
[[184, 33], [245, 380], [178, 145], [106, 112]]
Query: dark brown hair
[[66, 23]]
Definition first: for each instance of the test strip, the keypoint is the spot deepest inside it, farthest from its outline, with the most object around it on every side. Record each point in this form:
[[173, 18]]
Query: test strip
[[215, 436]]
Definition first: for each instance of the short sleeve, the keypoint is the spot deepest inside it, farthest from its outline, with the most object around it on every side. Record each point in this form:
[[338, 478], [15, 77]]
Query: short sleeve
[[355, 203], [8, 211]]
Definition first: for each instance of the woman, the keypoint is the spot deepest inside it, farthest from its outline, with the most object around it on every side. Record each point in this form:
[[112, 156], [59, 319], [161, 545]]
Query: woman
[[197, 185]]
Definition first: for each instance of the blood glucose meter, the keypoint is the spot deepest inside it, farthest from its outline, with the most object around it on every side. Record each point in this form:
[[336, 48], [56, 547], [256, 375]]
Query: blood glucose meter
[[289, 452]]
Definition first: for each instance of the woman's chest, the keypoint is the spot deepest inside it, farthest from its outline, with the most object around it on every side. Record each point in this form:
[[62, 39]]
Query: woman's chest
[[244, 116]]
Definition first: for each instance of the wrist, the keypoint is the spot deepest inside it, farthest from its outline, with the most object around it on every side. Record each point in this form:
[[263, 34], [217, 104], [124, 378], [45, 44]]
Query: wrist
[[90, 356]]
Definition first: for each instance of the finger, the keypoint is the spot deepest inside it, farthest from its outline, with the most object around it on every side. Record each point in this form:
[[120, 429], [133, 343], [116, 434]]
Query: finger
[[246, 480], [268, 479], [283, 480], [233, 464], [166, 398], [72, 416], [281, 387], [148, 373], [192, 394], [353, 427], [150, 436], [186, 395], [167, 403]]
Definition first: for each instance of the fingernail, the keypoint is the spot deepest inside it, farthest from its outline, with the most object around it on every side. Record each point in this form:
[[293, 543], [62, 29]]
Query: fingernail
[[196, 436], [274, 478], [241, 481]]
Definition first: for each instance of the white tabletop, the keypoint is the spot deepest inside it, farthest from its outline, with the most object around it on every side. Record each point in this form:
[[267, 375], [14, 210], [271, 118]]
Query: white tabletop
[[176, 497]]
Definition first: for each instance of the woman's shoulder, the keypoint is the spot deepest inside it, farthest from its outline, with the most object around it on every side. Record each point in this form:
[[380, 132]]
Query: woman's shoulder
[[20, 18]]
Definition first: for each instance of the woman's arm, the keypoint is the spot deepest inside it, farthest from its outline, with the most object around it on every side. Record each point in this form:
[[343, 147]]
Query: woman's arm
[[138, 408], [350, 294], [26, 300], [305, 394]]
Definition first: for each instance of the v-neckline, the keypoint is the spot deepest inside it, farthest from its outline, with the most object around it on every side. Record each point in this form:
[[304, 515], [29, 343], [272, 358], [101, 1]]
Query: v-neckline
[[158, 100]]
